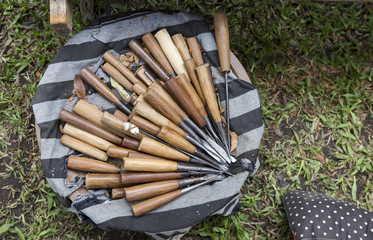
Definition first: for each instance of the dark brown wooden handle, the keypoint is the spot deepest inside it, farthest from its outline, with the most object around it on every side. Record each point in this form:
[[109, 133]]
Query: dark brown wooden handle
[[90, 165], [176, 140], [101, 180], [193, 95], [156, 51], [162, 106], [181, 45], [195, 50], [156, 148], [91, 78], [222, 40], [130, 143], [140, 52], [88, 126], [145, 125], [114, 73], [191, 66], [148, 165], [175, 90], [153, 203], [121, 68], [83, 147], [130, 178], [208, 91], [147, 190]]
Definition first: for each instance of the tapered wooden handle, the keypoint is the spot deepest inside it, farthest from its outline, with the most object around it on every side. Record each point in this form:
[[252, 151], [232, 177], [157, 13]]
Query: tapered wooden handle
[[144, 177], [140, 52], [101, 180], [208, 91], [222, 40], [153, 203], [136, 154], [91, 78], [193, 95], [162, 106], [147, 190], [195, 51], [88, 126], [139, 88], [130, 143], [121, 115], [121, 68], [171, 52], [118, 152], [191, 66], [148, 165], [114, 73], [83, 147], [140, 73], [94, 115], [117, 193], [156, 51], [86, 137], [181, 45], [156, 148], [145, 125], [145, 110], [90, 165], [176, 140], [182, 98], [125, 127]]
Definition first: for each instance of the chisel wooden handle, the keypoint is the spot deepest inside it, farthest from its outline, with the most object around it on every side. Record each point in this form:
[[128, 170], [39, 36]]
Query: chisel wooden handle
[[189, 89], [181, 45], [121, 68], [140, 73], [148, 190], [121, 115], [140, 52], [125, 127], [145, 125], [156, 148], [118, 152], [176, 140], [130, 143], [88, 126], [156, 51], [148, 165], [90, 165], [222, 40], [86, 137], [101, 180], [83, 147], [130, 178], [171, 52], [114, 73], [117, 193], [208, 91], [94, 115], [191, 66], [195, 51], [153, 203]]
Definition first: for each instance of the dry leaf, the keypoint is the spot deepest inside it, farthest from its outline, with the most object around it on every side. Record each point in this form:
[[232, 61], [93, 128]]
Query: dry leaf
[[234, 141], [79, 87]]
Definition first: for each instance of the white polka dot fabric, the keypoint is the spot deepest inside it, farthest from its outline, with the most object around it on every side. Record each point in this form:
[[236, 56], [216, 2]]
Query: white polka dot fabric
[[314, 216]]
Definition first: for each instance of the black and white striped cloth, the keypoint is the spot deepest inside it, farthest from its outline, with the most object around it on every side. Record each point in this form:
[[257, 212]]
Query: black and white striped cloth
[[55, 88]]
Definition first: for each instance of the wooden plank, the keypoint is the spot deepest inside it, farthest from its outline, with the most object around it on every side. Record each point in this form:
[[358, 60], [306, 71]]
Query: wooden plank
[[61, 17]]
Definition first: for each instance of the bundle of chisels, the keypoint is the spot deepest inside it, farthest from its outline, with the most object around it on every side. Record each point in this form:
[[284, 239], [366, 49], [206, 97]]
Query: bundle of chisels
[[167, 136]]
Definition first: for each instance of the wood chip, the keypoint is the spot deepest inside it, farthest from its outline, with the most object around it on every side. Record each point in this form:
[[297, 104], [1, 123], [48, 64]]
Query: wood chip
[[234, 141], [79, 88]]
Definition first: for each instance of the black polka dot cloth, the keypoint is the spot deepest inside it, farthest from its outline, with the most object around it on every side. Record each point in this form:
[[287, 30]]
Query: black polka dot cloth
[[316, 216]]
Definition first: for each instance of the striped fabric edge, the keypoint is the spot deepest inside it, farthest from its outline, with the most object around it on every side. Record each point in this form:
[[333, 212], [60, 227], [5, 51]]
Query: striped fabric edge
[[43, 109]]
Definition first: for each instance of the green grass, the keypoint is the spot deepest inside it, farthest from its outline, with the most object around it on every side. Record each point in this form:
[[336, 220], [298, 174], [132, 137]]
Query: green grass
[[312, 63]]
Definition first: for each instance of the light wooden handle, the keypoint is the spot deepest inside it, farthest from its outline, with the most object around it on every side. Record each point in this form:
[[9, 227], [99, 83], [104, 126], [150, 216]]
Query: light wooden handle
[[147, 190], [140, 73], [86, 137], [121, 68], [208, 91], [90, 165], [156, 148], [114, 73], [171, 52], [195, 50], [181, 45], [124, 127], [117, 152], [191, 66], [121, 115], [148, 165], [94, 115], [136, 154], [145, 177], [153, 203], [222, 40], [117, 193], [193, 95], [91, 78], [176, 140], [83, 147], [156, 51], [100, 180], [88, 126]]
